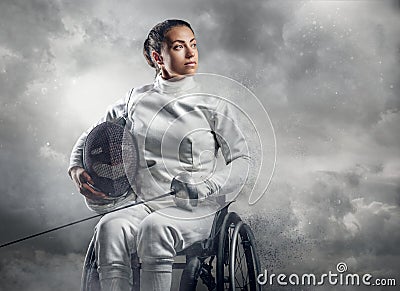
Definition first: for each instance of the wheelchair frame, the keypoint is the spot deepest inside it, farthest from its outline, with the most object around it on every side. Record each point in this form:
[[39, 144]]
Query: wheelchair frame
[[217, 260]]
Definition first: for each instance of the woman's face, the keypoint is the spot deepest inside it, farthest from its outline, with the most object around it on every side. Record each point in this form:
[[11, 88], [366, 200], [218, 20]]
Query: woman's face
[[179, 55]]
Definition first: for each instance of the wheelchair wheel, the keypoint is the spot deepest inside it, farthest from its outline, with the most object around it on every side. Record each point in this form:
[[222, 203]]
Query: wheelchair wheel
[[237, 262]]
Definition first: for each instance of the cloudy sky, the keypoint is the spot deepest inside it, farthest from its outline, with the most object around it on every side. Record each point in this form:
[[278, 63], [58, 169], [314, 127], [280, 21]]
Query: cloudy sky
[[326, 71]]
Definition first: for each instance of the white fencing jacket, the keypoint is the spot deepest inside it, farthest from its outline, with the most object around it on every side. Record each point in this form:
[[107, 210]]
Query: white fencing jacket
[[178, 128]]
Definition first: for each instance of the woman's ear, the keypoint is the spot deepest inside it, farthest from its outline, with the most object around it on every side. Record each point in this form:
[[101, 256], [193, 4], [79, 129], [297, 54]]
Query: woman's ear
[[157, 57]]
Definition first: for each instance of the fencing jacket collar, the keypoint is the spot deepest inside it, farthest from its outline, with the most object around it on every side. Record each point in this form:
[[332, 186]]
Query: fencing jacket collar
[[174, 85]]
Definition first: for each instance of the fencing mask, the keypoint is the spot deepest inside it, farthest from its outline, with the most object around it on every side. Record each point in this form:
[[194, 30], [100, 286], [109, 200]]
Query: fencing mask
[[110, 155]]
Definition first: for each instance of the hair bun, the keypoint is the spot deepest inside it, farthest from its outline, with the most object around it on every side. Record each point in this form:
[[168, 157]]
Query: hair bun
[[147, 52]]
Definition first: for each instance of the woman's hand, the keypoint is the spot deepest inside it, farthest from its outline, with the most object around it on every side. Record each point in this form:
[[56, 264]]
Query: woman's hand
[[186, 194], [84, 184]]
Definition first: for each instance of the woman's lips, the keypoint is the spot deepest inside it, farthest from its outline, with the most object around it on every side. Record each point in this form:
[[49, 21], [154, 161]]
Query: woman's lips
[[190, 64]]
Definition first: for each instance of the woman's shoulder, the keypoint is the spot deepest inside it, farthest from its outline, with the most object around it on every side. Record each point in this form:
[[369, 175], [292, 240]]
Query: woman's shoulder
[[130, 95], [142, 89], [135, 93]]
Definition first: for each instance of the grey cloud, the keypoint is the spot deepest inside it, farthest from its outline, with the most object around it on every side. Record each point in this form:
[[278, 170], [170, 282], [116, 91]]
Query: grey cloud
[[248, 29], [242, 39], [38, 20], [25, 35], [314, 220], [385, 130], [361, 226], [28, 269], [324, 53]]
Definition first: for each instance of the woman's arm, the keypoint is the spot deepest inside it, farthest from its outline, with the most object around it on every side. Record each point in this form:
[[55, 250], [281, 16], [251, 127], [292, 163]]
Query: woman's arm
[[226, 180], [115, 111], [76, 171], [235, 151]]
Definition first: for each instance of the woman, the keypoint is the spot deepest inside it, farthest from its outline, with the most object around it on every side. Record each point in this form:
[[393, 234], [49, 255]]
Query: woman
[[178, 138]]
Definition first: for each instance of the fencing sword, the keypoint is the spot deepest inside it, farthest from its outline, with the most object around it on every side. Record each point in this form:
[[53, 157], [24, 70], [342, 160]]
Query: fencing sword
[[85, 219]]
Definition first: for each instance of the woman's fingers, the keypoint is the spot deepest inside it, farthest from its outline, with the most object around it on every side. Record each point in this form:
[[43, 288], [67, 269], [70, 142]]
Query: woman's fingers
[[87, 177], [90, 193], [83, 182], [182, 194], [80, 176], [181, 200]]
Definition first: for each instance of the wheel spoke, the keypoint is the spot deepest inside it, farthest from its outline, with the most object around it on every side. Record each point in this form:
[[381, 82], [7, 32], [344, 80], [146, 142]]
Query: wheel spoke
[[245, 258], [238, 261], [240, 266]]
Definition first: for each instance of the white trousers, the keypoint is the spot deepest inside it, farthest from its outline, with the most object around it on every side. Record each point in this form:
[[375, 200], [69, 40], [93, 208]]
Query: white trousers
[[155, 236]]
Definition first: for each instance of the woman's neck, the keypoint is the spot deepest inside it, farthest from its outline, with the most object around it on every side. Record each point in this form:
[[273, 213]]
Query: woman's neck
[[175, 84]]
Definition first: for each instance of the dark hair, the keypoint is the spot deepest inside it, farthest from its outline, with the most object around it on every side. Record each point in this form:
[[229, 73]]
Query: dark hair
[[156, 36]]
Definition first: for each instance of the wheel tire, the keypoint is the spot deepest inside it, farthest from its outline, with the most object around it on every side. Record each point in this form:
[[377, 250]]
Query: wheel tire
[[224, 241], [237, 262], [243, 275]]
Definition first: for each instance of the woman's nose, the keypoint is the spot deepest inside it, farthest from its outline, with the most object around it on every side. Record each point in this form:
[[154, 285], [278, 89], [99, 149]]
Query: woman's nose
[[190, 52]]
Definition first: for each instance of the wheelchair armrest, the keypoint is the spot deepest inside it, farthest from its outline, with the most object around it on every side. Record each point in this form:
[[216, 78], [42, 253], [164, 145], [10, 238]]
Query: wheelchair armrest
[[206, 247]]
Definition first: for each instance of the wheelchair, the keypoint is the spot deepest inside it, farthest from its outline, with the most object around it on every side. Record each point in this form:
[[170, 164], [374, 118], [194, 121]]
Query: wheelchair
[[226, 260]]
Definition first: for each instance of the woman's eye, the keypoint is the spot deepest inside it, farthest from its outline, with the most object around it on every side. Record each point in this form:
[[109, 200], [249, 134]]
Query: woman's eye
[[194, 45], [178, 47]]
